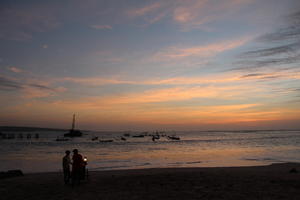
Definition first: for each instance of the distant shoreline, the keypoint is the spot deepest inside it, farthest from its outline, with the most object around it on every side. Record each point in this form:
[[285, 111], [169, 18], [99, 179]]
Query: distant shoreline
[[29, 128], [25, 128]]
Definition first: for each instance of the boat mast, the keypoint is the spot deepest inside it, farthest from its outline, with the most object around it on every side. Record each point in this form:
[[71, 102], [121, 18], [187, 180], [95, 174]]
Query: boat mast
[[73, 123]]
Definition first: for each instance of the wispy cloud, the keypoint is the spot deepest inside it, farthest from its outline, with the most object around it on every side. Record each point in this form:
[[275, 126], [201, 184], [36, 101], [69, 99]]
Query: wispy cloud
[[279, 75], [290, 32], [201, 51], [178, 94], [193, 13], [289, 49], [94, 81], [281, 51], [232, 77], [101, 27], [40, 91], [275, 63], [144, 10], [8, 84], [173, 94], [186, 114], [20, 22], [151, 13], [15, 69], [188, 13], [100, 81], [29, 88]]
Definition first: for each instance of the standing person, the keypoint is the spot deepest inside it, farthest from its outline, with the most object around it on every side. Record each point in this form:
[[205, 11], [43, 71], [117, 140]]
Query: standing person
[[66, 161], [76, 167]]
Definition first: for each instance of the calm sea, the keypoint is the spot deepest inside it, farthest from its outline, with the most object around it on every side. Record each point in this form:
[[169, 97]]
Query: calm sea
[[194, 149]]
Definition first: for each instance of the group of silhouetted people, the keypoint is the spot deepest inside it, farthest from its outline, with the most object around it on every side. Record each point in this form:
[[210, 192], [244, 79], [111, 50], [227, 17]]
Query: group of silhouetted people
[[78, 167]]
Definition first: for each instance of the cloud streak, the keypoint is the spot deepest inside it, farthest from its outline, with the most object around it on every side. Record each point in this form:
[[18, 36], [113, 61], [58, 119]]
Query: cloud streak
[[223, 78], [144, 10], [25, 20], [101, 27], [188, 13], [29, 89], [15, 69], [167, 95], [8, 84], [185, 115], [209, 50], [283, 48]]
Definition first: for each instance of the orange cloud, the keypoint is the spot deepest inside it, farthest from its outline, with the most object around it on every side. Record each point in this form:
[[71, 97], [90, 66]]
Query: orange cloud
[[229, 77], [200, 51], [99, 81], [93, 110], [188, 13], [194, 13], [167, 107], [15, 69], [188, 10], [40, 91], [177, 94], [144, 10], [95, 81], [152, 97]]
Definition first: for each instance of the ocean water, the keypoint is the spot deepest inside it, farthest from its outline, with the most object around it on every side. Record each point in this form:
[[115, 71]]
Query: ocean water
[[194, 149]]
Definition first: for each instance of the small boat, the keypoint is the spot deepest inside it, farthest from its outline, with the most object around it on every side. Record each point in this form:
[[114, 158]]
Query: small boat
[[145, 133], [138, 136], [173, 138], [104, 141], [155, 137], [126, 134], [58, 139], [94, 138], [122, 138], [73, 132], [11, 136]]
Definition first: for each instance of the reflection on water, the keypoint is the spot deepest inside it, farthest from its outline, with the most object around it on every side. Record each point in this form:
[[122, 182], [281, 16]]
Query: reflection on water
[[195, 149]]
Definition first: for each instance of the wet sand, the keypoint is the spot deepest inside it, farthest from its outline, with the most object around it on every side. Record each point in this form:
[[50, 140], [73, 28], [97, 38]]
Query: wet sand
[[264, 182]]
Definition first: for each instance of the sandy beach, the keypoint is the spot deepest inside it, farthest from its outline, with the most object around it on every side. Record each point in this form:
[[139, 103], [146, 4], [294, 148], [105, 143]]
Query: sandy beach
[[261, 182]]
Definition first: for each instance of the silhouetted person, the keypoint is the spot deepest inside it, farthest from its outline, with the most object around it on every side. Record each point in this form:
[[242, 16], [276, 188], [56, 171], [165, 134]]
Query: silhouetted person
[[77, 166], [66, 167]]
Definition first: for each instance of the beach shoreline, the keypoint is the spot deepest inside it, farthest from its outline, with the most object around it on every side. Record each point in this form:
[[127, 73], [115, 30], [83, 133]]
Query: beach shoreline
[[276, 181]]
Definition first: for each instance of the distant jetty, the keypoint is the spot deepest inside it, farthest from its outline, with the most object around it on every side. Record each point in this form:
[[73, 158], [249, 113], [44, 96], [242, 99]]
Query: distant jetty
[[27, 129]]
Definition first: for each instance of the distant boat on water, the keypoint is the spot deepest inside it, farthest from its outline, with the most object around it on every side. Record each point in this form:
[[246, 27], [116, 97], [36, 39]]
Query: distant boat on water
[[104, 141], [58, 139], [72, 131], [94, 138], [138, 136], [173, 138]]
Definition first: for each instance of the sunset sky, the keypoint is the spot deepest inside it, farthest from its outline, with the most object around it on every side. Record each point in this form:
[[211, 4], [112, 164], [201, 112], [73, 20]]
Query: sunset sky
[[152, 64]]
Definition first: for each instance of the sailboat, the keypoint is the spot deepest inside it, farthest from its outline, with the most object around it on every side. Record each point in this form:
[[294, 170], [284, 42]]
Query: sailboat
[[72, 131]]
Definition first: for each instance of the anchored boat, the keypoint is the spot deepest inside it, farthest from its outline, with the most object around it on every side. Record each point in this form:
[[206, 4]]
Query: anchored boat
[[72, 131]]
